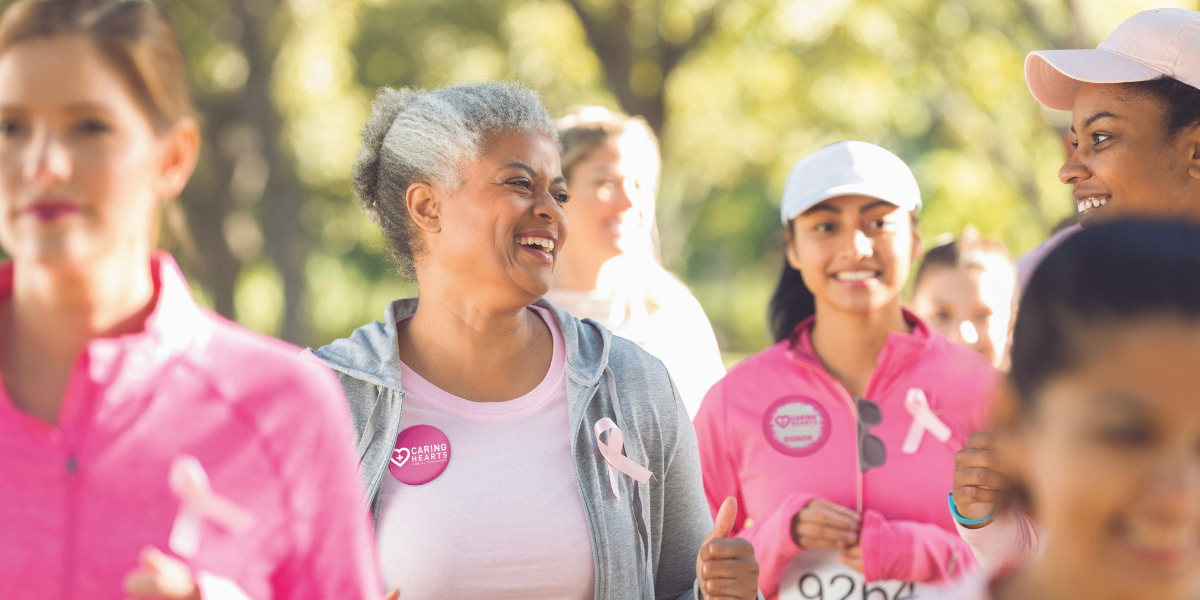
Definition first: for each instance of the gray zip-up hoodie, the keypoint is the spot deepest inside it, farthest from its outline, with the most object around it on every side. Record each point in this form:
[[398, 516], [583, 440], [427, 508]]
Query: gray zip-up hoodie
[[644, 543]]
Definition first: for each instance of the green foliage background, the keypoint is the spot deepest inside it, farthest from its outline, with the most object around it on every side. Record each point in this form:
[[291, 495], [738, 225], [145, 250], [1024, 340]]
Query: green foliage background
[[746, 88]]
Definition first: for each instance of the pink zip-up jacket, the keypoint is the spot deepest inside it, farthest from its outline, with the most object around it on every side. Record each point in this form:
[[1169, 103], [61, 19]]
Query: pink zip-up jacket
[[779, 431], [80, 500]]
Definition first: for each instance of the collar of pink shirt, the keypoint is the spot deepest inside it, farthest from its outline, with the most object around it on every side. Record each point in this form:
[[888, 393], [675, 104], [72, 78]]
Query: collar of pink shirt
[[900, 351], [132, 361]]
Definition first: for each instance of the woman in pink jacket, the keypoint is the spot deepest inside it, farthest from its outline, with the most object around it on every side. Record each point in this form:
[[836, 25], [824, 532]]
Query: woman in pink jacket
[[839, 440], [133, 423]]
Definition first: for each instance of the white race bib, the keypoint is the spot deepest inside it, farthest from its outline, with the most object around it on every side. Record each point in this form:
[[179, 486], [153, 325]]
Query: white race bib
[[821, 575]]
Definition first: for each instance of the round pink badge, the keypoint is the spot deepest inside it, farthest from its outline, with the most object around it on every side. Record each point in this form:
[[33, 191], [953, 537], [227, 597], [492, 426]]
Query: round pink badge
[[421, 454], [796, 425]]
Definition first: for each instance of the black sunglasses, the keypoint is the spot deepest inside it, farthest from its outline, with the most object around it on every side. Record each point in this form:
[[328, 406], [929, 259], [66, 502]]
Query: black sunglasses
[[872, 454]]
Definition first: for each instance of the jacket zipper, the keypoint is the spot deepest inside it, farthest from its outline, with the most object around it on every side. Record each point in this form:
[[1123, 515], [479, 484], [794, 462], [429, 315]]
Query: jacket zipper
[[72, 473]]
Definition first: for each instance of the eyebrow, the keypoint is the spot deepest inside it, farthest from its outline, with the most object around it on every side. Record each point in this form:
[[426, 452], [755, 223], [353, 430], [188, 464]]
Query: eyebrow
[[1097, 117], [76, 107], [533, 172]]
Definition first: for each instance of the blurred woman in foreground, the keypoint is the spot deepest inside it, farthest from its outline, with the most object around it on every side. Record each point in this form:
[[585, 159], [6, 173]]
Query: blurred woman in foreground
[[509, 449], [1099, 428], [120, 393], [610, 272]]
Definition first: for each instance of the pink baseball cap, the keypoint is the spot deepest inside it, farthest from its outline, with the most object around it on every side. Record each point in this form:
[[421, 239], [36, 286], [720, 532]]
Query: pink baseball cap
[[1148, 45]]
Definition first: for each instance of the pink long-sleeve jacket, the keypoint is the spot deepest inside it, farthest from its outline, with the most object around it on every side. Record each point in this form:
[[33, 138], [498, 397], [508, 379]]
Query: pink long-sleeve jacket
[[779, 431], [80, 499]]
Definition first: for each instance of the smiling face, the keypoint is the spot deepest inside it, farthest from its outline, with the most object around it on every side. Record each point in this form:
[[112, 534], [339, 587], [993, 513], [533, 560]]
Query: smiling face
[[1111, 458], [1124, 165], [501, 229], [82, 170], [612, 196], [971, 305], [854, 252]]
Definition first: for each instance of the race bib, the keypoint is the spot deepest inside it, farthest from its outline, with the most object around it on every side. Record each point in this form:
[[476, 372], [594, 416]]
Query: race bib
[[821, 575]]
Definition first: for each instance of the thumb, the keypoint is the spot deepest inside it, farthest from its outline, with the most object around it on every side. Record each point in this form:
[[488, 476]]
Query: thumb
[[393, 595], [723, 523]]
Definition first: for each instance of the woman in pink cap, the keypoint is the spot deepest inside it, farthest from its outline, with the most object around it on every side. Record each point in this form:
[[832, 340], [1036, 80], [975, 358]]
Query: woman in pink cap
[[1135, 103], [134, 423], [1099, 423], [838, 441]]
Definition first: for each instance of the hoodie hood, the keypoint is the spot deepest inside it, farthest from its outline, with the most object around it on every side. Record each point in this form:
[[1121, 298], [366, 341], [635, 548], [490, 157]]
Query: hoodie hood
[[372, 352]]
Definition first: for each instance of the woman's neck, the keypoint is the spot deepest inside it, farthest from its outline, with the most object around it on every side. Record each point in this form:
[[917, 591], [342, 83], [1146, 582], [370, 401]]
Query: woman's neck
[[467, 347], [54, 313], [849, 344], [577, 271]]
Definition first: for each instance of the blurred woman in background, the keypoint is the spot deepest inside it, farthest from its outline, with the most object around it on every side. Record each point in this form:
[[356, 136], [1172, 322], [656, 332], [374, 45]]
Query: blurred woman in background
[[838, 441], [964, 290], [610, 270], [1099, 425], [112, 374], [506, 446]]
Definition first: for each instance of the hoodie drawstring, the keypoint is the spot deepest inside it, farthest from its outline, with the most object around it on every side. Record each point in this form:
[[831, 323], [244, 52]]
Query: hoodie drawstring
[[618, 462]]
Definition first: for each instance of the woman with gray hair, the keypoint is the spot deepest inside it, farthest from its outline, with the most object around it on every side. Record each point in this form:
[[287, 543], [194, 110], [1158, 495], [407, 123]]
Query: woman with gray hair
[[536, 455]]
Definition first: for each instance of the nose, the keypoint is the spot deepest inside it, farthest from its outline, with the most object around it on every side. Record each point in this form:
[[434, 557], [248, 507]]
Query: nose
[[622, 198], [47, 161], [1073, 171], [861, 245], [549, 209], [968, 332]]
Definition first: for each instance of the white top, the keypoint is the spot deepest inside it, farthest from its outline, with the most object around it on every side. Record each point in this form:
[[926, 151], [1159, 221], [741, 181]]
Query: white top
[[668, 322], [505, 519]]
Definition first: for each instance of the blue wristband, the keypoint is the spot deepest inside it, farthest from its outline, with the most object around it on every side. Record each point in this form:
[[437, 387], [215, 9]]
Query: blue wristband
[[965, 521]]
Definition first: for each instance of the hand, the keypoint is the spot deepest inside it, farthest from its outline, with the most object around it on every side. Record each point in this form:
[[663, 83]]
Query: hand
[[978, 486], [852, 557], [392, 595], [725, 566], [822, 524], [161, 576]]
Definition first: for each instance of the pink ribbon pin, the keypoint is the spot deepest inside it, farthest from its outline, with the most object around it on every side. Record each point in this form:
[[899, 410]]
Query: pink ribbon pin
[[617, 461], [923, 420], [190, 483]]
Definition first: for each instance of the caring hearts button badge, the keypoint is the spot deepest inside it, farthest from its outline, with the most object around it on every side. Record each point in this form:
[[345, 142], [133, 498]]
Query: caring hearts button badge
[[421, 454]]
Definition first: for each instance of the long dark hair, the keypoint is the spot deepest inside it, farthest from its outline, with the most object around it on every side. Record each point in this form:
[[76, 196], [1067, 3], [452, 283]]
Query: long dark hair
[[1101, 276], [791, 303]]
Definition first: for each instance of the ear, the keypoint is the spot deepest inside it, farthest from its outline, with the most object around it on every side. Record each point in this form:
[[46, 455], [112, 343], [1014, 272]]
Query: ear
[[918, 245], [793, 257], [1192, 142], [424, 207], [181, 150]]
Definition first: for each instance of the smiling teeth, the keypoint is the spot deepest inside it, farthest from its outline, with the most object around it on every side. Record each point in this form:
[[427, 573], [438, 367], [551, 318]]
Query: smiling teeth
[[1090, 202], [855, 275], [543, 244]]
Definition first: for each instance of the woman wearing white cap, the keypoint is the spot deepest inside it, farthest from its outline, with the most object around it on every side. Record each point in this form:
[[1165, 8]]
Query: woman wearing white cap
[[838, 440], [1135, 103]]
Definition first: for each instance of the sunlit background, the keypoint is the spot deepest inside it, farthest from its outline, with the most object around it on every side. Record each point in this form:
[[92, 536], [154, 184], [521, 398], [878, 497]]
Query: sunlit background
[[738, 90]]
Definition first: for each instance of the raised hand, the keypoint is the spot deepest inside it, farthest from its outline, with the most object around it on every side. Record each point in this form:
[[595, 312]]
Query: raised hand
[[392, 595], [161, 576], [978, 486], [725, 566], [822, 525]]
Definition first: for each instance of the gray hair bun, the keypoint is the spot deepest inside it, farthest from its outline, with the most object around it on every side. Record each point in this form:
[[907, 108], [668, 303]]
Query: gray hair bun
[[425, 136]]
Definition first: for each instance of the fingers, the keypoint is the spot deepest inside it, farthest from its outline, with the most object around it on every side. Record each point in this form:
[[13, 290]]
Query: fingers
[[725, 549], [393, 595], [833, 508], [728, 569], [830, 515], [983, 440], [852, 557], [723, 523], [813, 536], [730, 589], [983, 458], [983, 478], [160, 576]]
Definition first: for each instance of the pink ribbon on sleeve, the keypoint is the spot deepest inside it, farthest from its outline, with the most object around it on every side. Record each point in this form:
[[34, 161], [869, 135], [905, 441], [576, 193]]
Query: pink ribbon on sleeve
[[923, 420], [191, 484], [617, 461]]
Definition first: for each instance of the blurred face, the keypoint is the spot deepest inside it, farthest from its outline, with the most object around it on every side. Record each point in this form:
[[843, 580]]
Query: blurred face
[[970, 305], [1124, 165], [612, 197], [854, 252], [1112, 461], [501, 230], [81, 169]]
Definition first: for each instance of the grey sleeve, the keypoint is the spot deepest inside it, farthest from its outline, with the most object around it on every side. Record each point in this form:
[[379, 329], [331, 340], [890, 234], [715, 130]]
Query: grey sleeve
[[685, 516]]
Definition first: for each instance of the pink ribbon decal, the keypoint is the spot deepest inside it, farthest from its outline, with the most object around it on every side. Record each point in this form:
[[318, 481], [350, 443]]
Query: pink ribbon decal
[[923, 420], [190, 483], [617, 461]]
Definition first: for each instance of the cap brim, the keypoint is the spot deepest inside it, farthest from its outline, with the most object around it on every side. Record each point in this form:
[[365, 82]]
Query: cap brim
[[850, 189], [1054, 76]]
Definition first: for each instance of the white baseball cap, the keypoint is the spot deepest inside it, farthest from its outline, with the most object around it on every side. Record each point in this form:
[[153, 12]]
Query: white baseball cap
[[1149, 45], [848, 168]]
